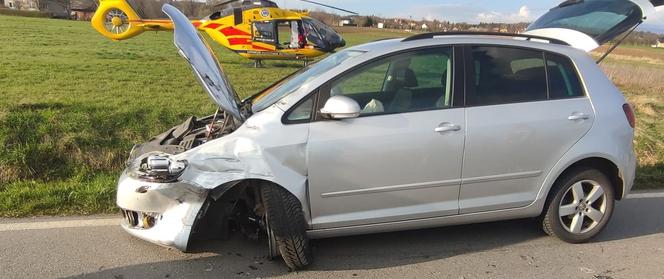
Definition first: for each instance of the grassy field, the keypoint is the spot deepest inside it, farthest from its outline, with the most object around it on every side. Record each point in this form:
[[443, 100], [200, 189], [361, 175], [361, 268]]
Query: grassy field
[[639, 72], [73, 103]]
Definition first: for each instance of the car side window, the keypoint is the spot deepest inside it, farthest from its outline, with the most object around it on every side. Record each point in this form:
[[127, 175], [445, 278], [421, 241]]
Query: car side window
[[564, 81], [369, 80], [505, 75], [302, 112], [413, 81]]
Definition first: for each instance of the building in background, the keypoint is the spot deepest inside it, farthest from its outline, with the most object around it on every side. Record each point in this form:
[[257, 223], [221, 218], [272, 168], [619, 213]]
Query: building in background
[[78, 9], [347, 22], [658, 44], [83, 9]]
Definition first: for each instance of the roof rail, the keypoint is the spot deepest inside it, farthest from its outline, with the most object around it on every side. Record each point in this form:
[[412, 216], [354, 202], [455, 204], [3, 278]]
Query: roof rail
[[524, 36]]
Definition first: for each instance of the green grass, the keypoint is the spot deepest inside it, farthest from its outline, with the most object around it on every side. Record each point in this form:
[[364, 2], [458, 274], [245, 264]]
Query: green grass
[[72, 104], [643, 85]]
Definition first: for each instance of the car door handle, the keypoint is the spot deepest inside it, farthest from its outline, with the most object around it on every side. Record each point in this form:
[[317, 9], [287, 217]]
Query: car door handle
[[447, 127], [578, 116]]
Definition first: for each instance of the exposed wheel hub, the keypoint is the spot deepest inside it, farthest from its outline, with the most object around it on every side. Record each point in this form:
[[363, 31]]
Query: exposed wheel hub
[[582, 207]]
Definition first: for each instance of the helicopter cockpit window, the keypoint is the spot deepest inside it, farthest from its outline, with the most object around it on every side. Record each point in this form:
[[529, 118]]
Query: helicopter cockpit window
[[322, 35], [312, 35], [264, 31], [325, 31]]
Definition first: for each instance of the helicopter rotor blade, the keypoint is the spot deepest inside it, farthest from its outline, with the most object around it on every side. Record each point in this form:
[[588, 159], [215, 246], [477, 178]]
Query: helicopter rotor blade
[[328, 6], [225, 3]]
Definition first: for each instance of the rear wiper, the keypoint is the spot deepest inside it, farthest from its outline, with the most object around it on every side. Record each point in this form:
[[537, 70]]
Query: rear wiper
[[570, 3]]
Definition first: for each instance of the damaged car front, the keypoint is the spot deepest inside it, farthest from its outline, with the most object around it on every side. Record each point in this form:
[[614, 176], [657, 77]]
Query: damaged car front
[[171, 182]]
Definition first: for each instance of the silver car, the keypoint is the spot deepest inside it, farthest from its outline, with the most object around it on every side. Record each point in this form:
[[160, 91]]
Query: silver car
[[432, 130]]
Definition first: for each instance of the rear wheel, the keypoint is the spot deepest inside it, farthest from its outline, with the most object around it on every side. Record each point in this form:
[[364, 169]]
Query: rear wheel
[[579, 206], [285, 223]]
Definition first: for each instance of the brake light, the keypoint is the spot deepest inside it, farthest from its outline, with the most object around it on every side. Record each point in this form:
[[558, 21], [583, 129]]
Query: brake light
[[629, 113]]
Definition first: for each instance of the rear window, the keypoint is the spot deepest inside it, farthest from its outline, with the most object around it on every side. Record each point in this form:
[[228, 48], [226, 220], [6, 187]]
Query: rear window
[[507, 75], [504, 75]]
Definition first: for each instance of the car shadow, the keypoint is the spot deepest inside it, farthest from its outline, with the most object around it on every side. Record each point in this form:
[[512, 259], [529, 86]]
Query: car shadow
[[634, 217]]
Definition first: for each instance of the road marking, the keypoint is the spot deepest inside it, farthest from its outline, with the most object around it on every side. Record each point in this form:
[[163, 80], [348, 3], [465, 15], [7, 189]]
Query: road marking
[[60, 224], [645, 195], [81, 223]]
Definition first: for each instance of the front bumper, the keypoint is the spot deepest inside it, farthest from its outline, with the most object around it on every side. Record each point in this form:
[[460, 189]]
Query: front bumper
[[161, 213]]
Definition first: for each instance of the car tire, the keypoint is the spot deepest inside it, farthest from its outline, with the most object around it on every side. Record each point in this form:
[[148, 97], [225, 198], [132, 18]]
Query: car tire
[[288, 226], [579, 206]]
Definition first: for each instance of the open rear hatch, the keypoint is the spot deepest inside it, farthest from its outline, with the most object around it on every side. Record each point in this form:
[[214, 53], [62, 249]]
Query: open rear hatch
[[587, 24]]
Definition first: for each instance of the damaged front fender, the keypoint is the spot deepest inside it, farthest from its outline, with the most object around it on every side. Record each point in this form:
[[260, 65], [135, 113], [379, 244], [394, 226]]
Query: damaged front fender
[[262, 148], [249, 153]]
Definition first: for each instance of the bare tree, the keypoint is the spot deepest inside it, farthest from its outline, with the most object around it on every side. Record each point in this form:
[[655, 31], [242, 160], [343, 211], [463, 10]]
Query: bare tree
[[191, 8], [150, 8], [18, 4], [65, 4]]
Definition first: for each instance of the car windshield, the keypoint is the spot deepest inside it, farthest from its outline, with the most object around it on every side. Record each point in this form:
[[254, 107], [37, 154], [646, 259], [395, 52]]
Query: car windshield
[[300, 78]]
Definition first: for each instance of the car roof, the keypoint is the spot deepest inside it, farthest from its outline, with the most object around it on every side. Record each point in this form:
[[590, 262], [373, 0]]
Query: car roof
[[396, 44]]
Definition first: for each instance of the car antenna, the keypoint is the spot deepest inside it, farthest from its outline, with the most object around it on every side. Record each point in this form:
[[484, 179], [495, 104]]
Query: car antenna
[[614, 46]]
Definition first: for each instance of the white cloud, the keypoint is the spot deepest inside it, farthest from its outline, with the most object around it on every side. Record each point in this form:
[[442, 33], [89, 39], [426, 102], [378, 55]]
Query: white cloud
[[657, 17], [524, 12], [655, 21], [523, 15], [467, 13]]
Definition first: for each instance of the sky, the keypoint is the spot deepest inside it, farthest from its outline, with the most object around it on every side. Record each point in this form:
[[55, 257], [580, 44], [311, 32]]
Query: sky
[[508, 11]]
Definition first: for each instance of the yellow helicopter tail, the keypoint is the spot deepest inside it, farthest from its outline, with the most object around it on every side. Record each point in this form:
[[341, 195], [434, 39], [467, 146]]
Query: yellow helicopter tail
[[119, 20]]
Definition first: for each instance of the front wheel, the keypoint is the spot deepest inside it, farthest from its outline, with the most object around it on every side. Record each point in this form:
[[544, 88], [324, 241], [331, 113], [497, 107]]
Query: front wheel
[[286, 226], [579, 206]]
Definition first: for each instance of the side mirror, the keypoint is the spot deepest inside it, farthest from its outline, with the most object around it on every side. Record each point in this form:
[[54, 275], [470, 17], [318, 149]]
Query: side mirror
[[341, 107]]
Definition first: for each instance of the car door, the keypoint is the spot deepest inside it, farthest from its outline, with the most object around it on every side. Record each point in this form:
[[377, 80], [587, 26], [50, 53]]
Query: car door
[[401, 159], [518, 124]]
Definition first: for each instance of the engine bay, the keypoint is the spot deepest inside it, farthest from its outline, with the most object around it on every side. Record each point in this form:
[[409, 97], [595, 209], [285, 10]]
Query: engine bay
[[191, 133]]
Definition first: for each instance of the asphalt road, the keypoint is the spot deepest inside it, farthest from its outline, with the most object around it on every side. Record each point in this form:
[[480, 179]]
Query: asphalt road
[[632, 246]]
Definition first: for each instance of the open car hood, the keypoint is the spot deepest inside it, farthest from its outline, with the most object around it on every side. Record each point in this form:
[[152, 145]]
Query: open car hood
[[587, 24], [203, 62]]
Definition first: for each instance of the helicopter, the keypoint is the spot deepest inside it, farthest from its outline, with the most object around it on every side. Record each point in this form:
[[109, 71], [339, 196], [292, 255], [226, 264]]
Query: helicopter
[[251, 29]]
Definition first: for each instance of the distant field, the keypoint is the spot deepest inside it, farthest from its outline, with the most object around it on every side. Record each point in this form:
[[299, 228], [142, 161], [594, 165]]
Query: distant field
[[73, 103]]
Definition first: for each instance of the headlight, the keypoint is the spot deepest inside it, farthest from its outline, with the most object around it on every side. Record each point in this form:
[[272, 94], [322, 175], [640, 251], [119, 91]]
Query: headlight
[[156, 167]]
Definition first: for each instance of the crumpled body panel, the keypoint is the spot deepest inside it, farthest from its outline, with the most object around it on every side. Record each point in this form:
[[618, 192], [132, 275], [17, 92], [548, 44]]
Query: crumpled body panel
[[248, 153]]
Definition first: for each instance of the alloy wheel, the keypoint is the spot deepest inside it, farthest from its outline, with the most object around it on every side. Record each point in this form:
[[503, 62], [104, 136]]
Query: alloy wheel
[[582, 207]]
